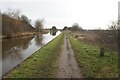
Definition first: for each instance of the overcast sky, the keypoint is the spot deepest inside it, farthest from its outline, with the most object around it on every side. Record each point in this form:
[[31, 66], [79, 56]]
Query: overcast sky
[[89, 14]]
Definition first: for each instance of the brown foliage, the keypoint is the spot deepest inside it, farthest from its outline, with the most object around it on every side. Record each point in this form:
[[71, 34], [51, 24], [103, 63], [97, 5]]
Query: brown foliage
[[12, 26], [109, 38]]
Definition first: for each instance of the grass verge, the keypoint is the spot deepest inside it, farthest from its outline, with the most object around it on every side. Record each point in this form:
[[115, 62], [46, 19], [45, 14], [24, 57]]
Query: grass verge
[[41, 64], [91, 65]]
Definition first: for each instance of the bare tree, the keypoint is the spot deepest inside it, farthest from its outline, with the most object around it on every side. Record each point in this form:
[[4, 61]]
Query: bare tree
[[25, 19], [13, 13], [75, 27], [114, 25], [118, 24], [39, 24]]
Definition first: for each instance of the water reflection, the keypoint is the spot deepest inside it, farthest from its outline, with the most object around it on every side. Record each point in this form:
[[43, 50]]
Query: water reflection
[[12, 49], [38, 40], [16, 50], [14, 45], [16, 42]]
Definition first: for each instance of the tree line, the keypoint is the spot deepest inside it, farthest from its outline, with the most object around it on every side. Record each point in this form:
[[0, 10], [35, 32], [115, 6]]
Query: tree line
[[115, 25], [39, 23]]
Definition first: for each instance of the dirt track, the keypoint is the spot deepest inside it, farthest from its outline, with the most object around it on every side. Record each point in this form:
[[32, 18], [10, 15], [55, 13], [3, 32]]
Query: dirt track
[[68, 67]]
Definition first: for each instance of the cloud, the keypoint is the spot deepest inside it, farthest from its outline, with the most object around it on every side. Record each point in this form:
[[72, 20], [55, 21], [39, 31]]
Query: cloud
[[88, 13]]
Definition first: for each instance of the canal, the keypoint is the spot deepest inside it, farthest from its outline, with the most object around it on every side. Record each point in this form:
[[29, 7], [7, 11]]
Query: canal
[[16, 50]]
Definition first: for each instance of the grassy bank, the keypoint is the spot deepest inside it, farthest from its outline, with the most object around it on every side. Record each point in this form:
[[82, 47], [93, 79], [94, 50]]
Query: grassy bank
[[91, 64], [41, 64]]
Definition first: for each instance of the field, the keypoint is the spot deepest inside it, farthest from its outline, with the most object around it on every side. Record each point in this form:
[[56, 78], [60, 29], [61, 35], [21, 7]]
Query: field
[[109, 38], [86, 45]]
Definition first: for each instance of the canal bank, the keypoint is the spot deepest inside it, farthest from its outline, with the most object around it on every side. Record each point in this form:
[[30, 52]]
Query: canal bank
[[16, 50], [41, 64]]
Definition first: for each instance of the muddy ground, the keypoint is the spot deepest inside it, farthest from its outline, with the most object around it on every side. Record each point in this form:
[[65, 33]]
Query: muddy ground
[[68, 67]]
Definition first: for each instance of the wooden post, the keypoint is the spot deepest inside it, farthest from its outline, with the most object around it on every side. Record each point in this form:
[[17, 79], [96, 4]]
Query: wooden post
[[102, 50]]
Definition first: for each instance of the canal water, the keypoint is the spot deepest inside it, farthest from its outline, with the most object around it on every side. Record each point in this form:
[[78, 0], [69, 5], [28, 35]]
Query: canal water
[[15, 50]]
